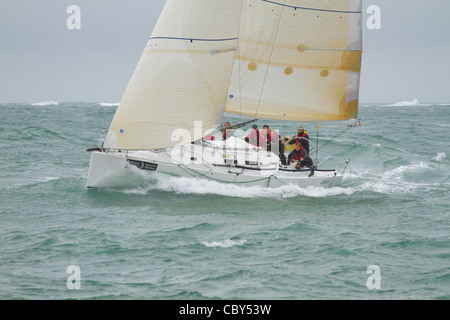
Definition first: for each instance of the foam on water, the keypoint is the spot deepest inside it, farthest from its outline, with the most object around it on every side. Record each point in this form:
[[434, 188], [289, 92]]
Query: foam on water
[[440, 157], [184, 185]]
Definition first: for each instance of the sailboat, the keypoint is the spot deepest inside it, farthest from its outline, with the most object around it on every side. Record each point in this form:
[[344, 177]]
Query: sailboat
[[290, 60]]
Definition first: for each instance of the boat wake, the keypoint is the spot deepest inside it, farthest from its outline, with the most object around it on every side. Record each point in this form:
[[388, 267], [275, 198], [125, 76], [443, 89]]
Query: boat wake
[[148, 182]]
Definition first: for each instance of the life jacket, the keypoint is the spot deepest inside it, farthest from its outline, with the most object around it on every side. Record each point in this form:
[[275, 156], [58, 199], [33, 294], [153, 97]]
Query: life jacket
[[230, 133], [272, 137], [297, 136], [253, 137], [298, 156]]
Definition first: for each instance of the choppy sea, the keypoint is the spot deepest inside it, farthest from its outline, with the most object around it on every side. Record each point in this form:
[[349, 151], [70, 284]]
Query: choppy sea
[[384, 233]]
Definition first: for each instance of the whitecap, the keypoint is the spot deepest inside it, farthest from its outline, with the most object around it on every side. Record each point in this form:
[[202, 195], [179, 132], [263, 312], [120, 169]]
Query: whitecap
[[224, 243], [441, 156], [109, 104], [414, 103], [45, 103], [399, 171]]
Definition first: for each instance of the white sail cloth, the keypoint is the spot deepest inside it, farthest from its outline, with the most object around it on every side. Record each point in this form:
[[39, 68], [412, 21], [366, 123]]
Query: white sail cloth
[[182, 76]]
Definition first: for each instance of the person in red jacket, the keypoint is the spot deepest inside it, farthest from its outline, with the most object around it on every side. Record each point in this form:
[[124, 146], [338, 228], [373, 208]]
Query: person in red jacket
[[267, 137], [253, 136], [270, 140], [300, 156], [227, 132]]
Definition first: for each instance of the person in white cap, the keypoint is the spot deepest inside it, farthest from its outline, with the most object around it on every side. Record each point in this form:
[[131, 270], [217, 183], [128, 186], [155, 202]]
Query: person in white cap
[[301, 136]]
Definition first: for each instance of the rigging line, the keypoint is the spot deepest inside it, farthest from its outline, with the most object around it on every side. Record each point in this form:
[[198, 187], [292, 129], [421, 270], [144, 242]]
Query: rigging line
[[337, 136], [270, 58], [239, 77]]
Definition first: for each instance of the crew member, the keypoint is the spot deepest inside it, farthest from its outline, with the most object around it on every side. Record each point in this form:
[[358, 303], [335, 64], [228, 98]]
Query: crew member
[[227, 132], [253, 136], [300, 156], [270, 140], [301, 136]]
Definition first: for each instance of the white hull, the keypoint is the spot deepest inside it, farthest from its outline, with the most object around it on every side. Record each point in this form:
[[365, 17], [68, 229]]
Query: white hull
[[238, 163]]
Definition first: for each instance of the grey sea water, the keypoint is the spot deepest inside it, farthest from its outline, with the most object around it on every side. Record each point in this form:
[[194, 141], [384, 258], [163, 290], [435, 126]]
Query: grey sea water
[[176, 238]]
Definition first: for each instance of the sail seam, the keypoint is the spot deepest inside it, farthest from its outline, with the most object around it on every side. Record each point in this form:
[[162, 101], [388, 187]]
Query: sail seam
[[311, 9]]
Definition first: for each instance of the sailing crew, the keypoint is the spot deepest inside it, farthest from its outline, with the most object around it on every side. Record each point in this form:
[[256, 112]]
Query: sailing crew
[[270, 140], [301, 136], [253, 136], [300, 156], [227, 132]]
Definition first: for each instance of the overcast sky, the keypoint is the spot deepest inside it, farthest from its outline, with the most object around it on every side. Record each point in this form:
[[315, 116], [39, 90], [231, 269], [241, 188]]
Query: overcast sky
[[42, 60]]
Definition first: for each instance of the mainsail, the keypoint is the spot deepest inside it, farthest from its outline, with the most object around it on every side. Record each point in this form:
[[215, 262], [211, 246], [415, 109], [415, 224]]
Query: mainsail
[[298, 60], [182, 77]]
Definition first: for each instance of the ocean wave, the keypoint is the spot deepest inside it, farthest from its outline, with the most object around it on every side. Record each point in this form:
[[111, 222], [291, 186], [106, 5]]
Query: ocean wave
[[38, 181], [45, 103], [403, 179], [224, 243], [413, 103]]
